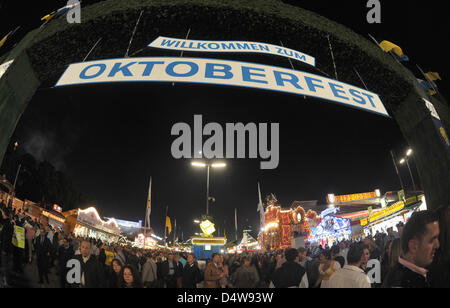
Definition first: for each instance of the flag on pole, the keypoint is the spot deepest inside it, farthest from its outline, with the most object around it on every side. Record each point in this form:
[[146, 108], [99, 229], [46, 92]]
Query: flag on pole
[[60, 11], [168, 224], [2, 42], [149, 205], [49, 16], [66, 8], [390, 47], [426, 86], [260, 209], [433, 76]]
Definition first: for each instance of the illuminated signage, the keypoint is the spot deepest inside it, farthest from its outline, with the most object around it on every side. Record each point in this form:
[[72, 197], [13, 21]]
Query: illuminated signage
[[52, 216], [126, 223], [221, 72], [207, 227], [57, 208], [230, 46], [216, 241], [330, 211], [353, 197], [388, 211]]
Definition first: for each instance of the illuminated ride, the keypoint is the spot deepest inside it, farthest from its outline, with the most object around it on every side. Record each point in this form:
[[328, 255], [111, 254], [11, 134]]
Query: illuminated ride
[[283, 227]]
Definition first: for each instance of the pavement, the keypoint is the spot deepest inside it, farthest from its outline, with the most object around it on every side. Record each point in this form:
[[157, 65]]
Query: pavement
[[28, 279]]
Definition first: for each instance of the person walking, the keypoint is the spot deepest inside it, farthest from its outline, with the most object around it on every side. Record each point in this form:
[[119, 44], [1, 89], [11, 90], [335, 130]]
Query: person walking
[[191, 273], [149, 272], [440, 268], [170, 271], [113, 274], [65, 253], [336, 255], [246, 276], [291, 274], [420, 241], [30, 232], [130, 278], [91, 272], [351, 275], [212, 273], [43, 248], [327, 268]]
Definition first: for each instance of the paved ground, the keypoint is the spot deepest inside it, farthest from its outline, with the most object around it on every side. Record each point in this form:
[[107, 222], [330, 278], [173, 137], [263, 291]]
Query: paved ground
[[28, 279]]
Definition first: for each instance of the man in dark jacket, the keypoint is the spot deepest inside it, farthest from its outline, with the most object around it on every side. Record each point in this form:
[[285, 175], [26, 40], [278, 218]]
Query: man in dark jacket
[[43, 248], [419, 244], [91, 273], [65, 253], [191, 273], [290, 274], [171, 271], [7, 232]]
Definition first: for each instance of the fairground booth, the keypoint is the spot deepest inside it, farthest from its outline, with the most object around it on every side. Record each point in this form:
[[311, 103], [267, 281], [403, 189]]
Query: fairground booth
[[53, 217], [87, 223], [203, 247], [356, 216], [285, 228]]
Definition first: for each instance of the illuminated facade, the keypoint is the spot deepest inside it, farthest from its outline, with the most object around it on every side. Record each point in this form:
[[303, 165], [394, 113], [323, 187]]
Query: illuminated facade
[[281, 226]]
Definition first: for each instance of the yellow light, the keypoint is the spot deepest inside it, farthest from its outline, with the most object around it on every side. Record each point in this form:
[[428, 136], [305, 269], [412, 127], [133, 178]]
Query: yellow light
[[271, 225], [218, 165], [197, 164], [207, 227]]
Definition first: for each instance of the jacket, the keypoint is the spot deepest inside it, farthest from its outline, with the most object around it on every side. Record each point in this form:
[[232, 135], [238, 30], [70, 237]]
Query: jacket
[[402, 277], [149, 272], [178, 269], [245, 277], [191, 276], [440, 272], [290, 274], [43, 249], [93, 274], [212, 276]]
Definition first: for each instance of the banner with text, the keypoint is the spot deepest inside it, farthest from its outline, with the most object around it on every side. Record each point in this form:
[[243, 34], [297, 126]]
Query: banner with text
[[230, 46], [221, 72]]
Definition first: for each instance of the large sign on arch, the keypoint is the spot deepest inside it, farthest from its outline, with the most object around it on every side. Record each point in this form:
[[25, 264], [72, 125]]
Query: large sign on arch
[[230, 47], [221, 72]]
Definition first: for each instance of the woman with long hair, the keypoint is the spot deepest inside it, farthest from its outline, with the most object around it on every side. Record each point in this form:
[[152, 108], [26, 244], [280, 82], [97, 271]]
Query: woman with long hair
[[395, 253], [129, 278], [327, 268], [114, 273]]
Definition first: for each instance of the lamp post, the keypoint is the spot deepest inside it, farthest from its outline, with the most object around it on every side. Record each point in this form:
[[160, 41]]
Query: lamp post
[[406, 159], [208, 166]]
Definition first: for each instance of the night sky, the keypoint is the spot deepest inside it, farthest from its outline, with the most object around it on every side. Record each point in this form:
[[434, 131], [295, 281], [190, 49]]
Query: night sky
[[110, 139]]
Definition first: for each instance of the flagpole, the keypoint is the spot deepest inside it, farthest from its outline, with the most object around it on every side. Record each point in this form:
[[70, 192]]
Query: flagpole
[[332, 57], [174, 232], [431, 82], [181, 54], [148, 207], [165, 226], [396, 170], [132, 36], [235, 223], [92, 49]]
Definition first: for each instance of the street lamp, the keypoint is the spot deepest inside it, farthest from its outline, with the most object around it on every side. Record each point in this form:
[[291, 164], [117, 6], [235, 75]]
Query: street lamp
[[208, 166], [406, 159], [196, 221]]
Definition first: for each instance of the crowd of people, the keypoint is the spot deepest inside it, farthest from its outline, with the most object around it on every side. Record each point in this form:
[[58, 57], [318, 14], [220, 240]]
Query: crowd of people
[[417, 256]]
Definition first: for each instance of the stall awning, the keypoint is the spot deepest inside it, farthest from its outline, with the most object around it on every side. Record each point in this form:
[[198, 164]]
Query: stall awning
[[96, 229]]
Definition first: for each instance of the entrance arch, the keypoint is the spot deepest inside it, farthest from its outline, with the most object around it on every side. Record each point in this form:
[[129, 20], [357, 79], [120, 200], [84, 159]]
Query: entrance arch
[[42, 56]]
